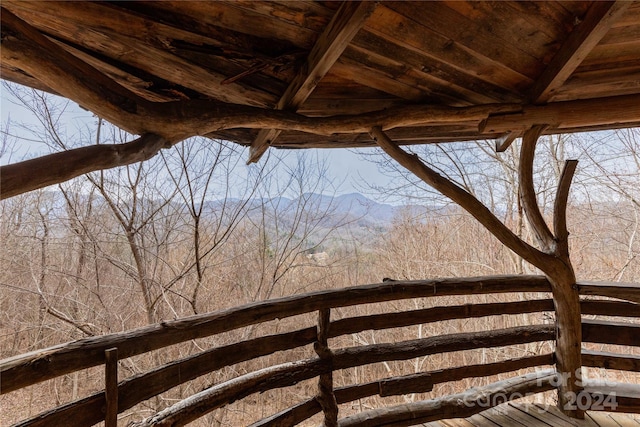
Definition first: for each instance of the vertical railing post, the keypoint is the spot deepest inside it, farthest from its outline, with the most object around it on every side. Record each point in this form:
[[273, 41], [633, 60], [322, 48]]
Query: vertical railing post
[[111, 387], [326, 397]]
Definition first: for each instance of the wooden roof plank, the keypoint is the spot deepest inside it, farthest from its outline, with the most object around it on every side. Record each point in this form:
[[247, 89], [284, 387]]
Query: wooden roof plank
[[607, 56], [426, 86], [347, 21], [461, 21], [389, 24], [374, 78], [434, 68], [597, 22]]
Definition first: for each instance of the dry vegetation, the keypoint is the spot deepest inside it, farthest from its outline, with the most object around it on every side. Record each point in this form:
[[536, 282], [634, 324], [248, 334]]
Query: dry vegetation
[[118, 250]]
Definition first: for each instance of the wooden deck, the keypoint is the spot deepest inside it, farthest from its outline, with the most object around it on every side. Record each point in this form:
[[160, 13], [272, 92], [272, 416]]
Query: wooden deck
[[535, 415]]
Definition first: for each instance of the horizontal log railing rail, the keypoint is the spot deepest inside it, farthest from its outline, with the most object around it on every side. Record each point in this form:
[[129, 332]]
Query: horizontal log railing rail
[[28, 369]]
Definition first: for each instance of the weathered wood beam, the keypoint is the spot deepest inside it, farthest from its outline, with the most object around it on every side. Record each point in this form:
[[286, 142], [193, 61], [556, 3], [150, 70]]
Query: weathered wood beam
[[567, 115], [609, 308], [582, 39], [344, 25], [416, 383], [454, 406], [356, 324], [69, 76], [54, 168], [12, 74], [135, 38], [375, 353]]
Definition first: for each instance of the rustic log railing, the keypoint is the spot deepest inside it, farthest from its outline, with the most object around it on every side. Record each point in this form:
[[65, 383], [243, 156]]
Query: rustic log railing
[[28, 369]]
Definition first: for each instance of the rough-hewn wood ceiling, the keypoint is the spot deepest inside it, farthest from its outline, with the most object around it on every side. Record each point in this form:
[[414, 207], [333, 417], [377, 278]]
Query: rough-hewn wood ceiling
[[323, 59]]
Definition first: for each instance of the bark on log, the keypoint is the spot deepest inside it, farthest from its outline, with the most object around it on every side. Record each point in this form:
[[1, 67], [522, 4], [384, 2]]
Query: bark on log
[[54, 168]]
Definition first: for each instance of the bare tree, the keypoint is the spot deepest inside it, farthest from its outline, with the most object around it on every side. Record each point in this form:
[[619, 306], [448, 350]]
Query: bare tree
[[216, 200]]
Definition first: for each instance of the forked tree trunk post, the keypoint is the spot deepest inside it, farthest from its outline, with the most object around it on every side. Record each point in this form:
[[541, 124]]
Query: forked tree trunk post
[[552, 257]]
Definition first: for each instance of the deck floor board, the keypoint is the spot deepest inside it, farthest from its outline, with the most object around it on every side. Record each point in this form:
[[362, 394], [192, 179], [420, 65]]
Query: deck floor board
[[535, 415]]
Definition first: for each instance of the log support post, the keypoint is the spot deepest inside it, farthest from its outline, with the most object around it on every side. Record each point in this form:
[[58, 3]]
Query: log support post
[[559, 271], [326, 396], [111, 387], [551, 254]]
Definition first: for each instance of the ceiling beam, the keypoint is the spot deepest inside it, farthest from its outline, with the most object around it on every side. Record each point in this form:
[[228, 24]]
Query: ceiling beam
[[611, 112], [584, 37], [344, 25]]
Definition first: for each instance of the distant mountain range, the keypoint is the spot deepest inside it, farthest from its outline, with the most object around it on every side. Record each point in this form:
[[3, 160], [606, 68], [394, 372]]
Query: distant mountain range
[[353, 210]]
